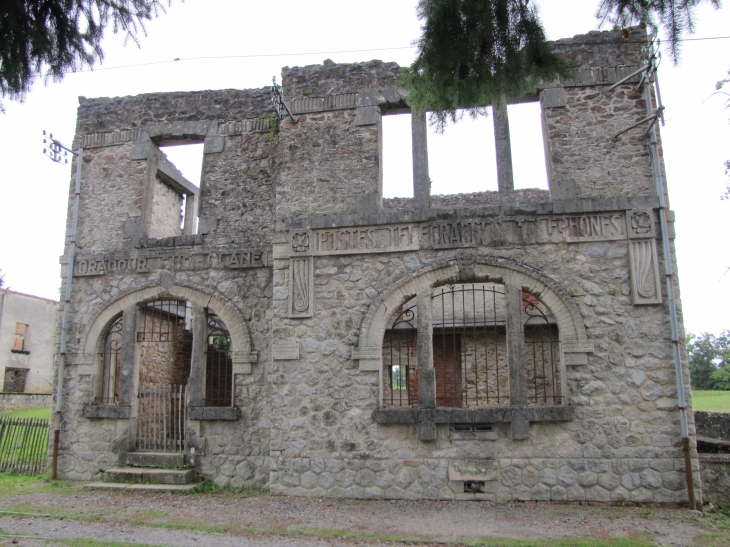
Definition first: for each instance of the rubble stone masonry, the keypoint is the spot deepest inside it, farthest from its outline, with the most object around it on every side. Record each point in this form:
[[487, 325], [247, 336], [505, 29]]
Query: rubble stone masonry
[[306, 264]]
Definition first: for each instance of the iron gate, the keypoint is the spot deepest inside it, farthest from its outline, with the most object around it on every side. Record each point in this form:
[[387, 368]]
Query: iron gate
[[165, 356]]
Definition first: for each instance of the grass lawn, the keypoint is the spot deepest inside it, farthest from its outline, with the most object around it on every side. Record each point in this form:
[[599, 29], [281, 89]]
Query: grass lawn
[[32, 413], [711, 401]]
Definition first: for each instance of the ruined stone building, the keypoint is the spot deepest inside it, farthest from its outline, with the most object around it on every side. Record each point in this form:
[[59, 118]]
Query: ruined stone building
[[298, 332]]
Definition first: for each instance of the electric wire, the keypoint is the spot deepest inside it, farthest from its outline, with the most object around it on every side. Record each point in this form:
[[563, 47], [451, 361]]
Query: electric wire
[[265, 55]]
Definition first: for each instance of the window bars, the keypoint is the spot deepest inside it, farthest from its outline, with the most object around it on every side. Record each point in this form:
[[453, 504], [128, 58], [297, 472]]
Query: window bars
[[400, 359], [111, 359], [542, 352], [167, 343], [469, 347], [219, 365]]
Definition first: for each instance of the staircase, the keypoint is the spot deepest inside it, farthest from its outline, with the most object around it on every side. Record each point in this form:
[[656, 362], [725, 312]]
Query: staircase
[[151, 471]]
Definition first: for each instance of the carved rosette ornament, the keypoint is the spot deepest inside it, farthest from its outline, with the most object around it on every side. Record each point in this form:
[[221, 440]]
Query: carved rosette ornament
[[300, 242]]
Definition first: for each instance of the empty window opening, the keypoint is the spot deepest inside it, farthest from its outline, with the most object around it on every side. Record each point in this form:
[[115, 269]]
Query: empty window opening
[[528, 147], [472, 427], [463, 158], [397, 156], [15, 379], [474, 487], [188, 160], [19, 342]]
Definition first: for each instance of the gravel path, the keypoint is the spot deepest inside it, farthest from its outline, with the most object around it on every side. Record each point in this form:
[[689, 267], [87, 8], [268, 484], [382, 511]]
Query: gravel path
[[226, 519]]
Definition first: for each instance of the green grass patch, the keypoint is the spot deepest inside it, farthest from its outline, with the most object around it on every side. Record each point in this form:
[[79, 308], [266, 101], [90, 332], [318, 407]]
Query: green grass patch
[[711, 401], [12, 484], [43, 413]]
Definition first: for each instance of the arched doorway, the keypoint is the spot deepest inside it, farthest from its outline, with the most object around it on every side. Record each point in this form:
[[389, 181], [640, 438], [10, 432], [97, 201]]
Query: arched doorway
[[165, 346]]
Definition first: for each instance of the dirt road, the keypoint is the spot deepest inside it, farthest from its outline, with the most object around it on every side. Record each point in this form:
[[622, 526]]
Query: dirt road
[[226, 518]]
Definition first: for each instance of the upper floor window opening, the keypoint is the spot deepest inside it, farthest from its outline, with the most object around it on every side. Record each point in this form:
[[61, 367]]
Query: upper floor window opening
[[20, 340], [463, 158], [187, 160], [396, 155], [528, 145]]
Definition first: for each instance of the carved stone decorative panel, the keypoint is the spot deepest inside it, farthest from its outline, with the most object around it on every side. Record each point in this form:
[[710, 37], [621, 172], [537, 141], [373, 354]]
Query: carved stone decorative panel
[[301, 287], [645, 287]]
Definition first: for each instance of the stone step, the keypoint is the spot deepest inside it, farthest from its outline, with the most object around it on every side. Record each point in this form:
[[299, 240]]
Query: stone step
[[149, 476], [137, 487], [153, 459]]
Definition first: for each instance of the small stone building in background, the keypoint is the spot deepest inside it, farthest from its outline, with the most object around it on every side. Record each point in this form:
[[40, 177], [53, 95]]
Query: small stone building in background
[[27, 342], [288, 328]]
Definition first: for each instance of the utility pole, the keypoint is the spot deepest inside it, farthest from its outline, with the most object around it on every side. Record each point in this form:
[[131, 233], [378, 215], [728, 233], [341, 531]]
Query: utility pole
[[58, 153]]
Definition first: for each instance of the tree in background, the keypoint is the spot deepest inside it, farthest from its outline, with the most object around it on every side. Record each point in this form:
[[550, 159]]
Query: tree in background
[[709, 360], [2, 279], [475, 53], [53, 37], [719, 85]]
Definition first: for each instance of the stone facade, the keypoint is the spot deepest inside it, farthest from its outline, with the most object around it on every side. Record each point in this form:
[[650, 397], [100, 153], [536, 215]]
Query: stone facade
[[300, 257]]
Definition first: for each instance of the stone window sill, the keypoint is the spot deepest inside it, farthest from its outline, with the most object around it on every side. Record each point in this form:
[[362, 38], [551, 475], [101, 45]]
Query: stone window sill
[[212, 413]]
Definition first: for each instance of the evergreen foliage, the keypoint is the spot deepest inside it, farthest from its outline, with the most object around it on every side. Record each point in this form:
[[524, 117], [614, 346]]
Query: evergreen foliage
[[473, 53], [709, 361], [675, 17], [58, 36]]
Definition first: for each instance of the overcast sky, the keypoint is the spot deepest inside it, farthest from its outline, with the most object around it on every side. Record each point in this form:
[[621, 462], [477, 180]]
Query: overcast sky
[[206, 35]]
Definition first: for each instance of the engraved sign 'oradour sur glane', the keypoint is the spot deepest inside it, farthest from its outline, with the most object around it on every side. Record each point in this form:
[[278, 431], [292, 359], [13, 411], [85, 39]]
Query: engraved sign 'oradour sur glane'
[[147, 260]]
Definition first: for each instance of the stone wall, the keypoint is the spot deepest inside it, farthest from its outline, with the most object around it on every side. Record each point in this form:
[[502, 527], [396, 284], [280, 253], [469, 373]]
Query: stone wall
[[10, 402], [715, 469], [713, 425], [306, 265]]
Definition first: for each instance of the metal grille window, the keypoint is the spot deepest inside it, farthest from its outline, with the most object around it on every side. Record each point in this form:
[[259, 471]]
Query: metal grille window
[[400, 359], [542, 353], [469, 347], [166, 343], [219, 365], [111, 359]]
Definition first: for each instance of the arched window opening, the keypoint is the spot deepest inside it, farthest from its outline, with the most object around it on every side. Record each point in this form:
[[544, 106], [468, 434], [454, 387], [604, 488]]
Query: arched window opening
[[400, 359], [111, 359], [474, 357], [219, 364], [469, 346], [542, 354]]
